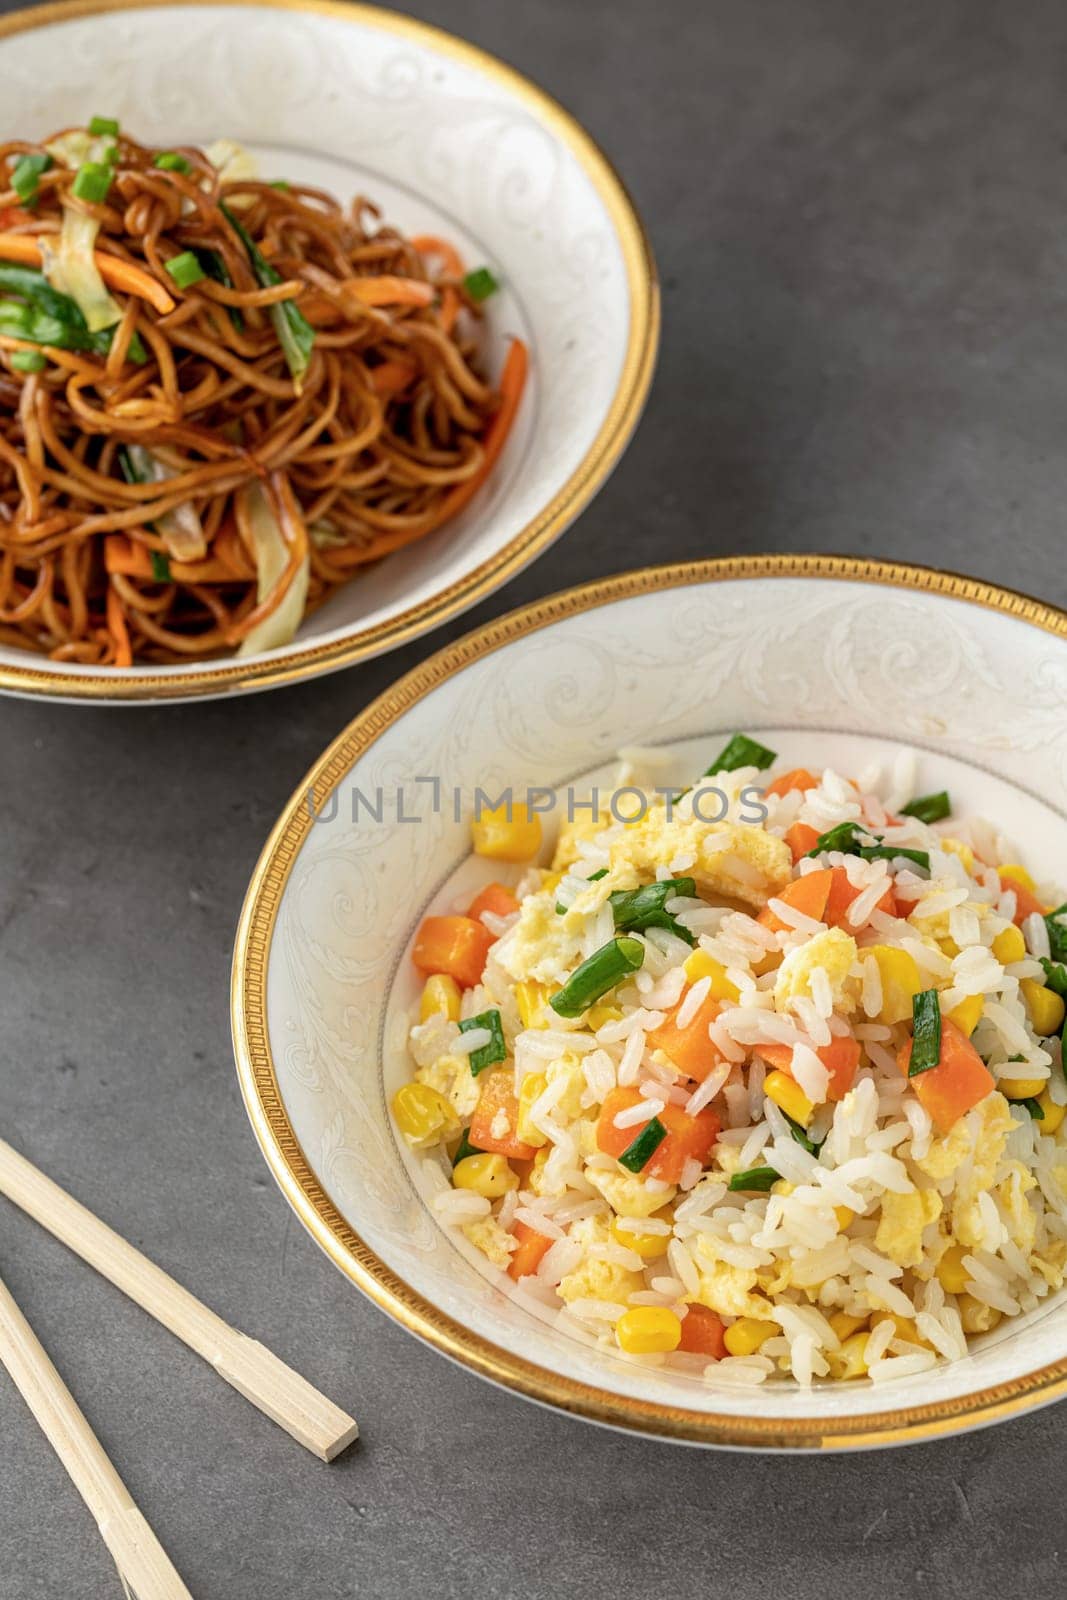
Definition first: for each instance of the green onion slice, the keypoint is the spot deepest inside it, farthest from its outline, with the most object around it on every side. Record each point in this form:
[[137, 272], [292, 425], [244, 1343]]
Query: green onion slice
[[295, 333], [763, 1178], [741, 751], [489, 1054], [637, 1155], [101, 126], [185, 269], [1055, 976], [929, 807], [849, 839], [635, 910], [282, 185], [92, 181], [160, 566], [1033, 1106], [465, 1148], [28, 361], [604, 969], [1057, 932], [926, 1032], [801, 1136], [480, 284], [171, 161], [27, 172]]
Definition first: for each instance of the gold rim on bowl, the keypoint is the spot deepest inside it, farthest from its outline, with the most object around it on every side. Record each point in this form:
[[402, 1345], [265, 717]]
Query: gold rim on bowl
[[37, 677], [288, 1163]]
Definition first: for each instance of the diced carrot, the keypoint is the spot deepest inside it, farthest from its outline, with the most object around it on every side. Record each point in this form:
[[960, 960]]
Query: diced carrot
[[703, 1333], [807, 895], [456, 945], [799, 778], [532, 1247], [959, 1081], [495, 899], [842, 893], [686, 1136], [498, 1107], [689, 1048], [801, 838], [1026, 902], [840, 1057]]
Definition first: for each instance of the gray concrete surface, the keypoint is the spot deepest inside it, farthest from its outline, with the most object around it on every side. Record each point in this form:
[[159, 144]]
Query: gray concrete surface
[[858, 213]]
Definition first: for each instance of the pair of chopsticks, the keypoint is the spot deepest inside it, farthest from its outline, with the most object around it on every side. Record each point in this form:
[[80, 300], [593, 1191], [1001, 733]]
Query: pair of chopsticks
[[252, 1369]]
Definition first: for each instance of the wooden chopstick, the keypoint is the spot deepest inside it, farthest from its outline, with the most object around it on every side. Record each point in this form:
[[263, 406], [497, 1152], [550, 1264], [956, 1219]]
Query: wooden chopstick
[[142, 1561], [252, 1369]]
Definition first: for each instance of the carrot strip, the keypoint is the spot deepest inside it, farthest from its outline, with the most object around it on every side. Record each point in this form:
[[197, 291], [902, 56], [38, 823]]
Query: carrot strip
[[116, 627], [389, 290], [116, 273], [121, 555], [512, 383], [428, 244], [392, 377]]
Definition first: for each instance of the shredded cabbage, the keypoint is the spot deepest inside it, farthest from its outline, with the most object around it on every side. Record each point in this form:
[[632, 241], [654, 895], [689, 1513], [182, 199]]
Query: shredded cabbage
[[72, 269], [181, 529], [272, 557]]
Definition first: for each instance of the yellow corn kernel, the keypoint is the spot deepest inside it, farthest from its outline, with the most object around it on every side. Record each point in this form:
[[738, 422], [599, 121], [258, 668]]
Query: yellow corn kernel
[[767, 963], [851, 1360], [789, 1097], [423, 1116], [1009, 945], [701, 965], [1021, 1088], [1018, 874], [905, 1327], [901, 981], [648, 1330], [957, 847], [533, 1086], [952, 1275], [501, 838], [530, 998], [1045, 1007], [844, 1325], [647, 1245], [1054, 1114], [597, 1015], [967, 1014], [486, 1175], [948, 947], [744, 1337], [975, 1316], [440, 997], [845, 1215], [783, 1187]]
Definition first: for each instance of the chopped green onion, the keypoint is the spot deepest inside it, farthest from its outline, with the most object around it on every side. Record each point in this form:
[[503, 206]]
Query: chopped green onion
[[929, 807], [27, 171], [171, 161], [28, 361], [185, 269], [754, 1178], [282, 185], [888, 852], [1033, 1106], [496, 1050], [637, 1155], [846, 837], [604, 969], [801, 1136], [295, 333], [92, 182], [1055, 976], [215, 267], [594, 877], [465, 1148], [480, 284], [635, 910], [1057, 933], [99, 126], [741, 751], [160, 566], [926, 1032]]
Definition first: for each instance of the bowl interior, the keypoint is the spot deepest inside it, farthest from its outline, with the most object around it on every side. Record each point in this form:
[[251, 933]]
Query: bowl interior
[[446, 141], [850, 670]]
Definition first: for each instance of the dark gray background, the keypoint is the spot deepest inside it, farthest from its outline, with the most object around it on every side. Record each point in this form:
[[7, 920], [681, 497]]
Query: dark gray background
[[858, 214]]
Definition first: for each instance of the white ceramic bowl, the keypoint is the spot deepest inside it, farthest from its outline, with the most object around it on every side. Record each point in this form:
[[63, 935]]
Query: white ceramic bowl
[[448, 140], [815, 655]]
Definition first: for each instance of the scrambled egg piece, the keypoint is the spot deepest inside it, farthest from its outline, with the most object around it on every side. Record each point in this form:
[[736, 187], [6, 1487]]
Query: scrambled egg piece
[[569, 1068], [582, 830], [539, 947], [766, 863], [1019, 1215], [490, 1238], [627, 1194], [900, 1230], [995, 1123], [1050, 1262], [947, 1153], [725, 1288], [594, 1278], [835, 952], [452, 1077]]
